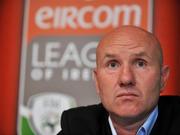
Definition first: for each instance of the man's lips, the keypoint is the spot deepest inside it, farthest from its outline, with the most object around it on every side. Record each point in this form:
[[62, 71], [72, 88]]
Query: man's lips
[[127, 94]]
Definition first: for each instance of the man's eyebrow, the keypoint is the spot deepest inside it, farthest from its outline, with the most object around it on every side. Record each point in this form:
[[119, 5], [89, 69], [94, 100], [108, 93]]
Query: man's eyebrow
[[109, 56], [142, 54]]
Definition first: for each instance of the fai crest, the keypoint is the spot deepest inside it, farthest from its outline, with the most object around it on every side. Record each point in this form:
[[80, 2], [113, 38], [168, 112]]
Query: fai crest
[[44, 112]]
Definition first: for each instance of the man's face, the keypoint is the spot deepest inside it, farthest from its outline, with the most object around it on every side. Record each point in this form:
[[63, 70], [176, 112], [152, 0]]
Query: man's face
[[129, 76]]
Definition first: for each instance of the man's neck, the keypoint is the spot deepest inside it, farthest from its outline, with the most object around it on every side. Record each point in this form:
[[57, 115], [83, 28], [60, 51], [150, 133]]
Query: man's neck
[[127, 130], [126, 126]]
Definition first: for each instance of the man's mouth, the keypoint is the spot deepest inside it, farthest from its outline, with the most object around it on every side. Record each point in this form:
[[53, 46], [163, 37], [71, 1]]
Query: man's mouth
[[127, 95]]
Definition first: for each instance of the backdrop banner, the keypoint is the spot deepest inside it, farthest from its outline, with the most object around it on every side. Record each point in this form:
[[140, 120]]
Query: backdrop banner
[[58, 55]]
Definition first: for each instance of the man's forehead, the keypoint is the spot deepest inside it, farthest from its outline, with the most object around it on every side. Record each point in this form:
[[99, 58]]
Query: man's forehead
[[126, 35], [129, 37], [129, 47]]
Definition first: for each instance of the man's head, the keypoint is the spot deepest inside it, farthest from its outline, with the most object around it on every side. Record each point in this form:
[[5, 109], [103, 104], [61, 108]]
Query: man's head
[[130, 73]]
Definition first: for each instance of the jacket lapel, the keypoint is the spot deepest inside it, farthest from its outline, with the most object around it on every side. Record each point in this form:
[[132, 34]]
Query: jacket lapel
[[105, 124]]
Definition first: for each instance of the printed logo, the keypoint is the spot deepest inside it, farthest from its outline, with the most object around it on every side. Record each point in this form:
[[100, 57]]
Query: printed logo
[[44, 113]]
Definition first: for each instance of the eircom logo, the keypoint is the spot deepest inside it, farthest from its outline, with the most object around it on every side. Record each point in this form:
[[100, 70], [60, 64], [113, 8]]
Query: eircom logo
[[75, 17], [87, 17]]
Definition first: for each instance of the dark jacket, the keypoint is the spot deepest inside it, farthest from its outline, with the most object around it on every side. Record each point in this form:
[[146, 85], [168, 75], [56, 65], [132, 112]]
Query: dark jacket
[[93, 120]]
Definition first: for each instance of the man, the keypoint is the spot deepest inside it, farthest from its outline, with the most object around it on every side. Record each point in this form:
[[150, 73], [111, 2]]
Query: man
[[129, 76]]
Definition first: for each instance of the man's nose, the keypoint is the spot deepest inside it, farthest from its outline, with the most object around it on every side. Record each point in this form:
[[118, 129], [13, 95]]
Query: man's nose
[[126, 76]]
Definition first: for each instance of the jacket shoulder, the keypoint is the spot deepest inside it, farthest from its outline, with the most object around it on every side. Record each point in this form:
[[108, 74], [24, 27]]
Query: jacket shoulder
[[88, 109], [170, 102], [168, 117], [85, 112], [83, 120]]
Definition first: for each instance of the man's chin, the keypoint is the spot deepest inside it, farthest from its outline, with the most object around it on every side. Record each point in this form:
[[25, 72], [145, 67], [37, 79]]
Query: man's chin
[[127, 112]]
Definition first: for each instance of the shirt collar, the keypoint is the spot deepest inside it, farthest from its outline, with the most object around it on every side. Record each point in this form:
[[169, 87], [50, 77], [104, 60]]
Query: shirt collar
[[149, 123], [146, 128], [112, 127]]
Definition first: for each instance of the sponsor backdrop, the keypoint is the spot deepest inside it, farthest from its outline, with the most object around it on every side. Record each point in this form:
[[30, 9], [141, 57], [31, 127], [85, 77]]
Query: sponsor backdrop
[[58, 55], [48, 53]]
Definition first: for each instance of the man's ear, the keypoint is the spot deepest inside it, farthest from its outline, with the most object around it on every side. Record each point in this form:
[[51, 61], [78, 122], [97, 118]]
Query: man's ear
[[96, 80], [164, 76]]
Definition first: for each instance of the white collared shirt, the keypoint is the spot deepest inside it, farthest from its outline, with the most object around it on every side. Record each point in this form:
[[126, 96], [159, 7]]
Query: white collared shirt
[[146, 128]]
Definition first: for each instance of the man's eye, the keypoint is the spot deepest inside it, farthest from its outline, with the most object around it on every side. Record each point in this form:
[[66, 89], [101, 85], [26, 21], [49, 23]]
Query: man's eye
[[140, 63], [113, 64]]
